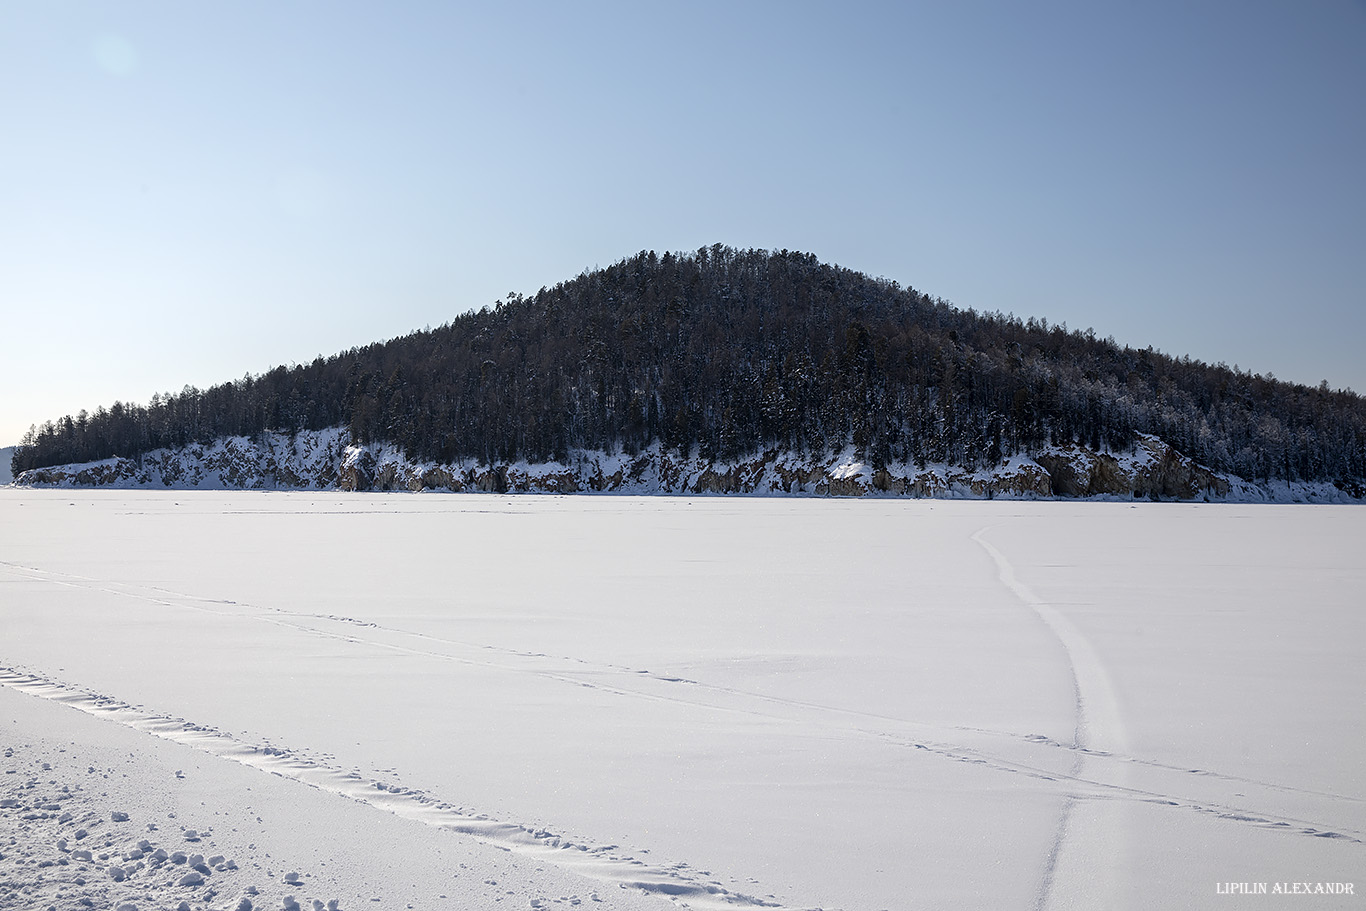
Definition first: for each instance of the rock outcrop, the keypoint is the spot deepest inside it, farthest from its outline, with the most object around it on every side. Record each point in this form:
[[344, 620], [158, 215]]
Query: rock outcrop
[[1154, 470], [324, 460]]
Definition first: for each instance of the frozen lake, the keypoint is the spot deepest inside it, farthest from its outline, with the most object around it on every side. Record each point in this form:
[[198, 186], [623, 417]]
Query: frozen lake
[[855, 704]]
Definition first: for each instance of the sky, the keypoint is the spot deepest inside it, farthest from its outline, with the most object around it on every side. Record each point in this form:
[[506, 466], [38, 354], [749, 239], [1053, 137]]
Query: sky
[[194, 192]]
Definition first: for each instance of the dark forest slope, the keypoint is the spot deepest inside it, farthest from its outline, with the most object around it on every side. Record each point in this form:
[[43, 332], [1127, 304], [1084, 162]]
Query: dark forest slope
[[731, 351]]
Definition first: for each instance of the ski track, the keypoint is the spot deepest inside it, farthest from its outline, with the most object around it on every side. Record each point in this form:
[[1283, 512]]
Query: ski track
[[1085, 862], [939, 740], [1095, 778], [606, 863]]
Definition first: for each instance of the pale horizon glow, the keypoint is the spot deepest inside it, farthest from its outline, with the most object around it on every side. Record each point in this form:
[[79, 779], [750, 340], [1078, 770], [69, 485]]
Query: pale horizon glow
[[202, 192]]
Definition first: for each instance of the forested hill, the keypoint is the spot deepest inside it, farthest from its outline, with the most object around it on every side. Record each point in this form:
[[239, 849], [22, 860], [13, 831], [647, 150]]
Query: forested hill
[[732, 352]]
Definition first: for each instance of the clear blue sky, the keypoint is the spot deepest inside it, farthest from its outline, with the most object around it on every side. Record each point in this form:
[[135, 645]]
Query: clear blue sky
[[195, 191]]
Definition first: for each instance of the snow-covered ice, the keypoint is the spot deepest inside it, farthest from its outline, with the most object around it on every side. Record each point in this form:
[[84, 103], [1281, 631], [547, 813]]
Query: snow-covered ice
[[623, 702]]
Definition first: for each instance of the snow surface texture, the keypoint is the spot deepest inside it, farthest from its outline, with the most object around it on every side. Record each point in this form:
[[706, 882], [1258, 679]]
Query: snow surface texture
[[324, 460], [627, 702]]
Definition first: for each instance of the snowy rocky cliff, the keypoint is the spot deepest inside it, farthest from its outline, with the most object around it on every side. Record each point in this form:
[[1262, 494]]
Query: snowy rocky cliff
[[326, 461]]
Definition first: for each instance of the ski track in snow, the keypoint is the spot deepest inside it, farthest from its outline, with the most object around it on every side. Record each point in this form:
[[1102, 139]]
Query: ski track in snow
[[1096, 780], [1103, 773], [936, 738], [1084, 868], [606, 863]]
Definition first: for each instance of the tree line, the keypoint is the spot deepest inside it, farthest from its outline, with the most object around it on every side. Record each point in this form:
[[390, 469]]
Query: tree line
[[728, 352]]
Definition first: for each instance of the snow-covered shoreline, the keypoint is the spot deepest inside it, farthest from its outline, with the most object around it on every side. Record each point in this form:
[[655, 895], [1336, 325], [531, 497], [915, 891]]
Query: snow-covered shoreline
[[325, 460]]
